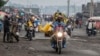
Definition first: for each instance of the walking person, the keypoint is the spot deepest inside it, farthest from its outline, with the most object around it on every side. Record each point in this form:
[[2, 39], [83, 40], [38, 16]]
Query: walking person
[[6, 29], [14, 32]]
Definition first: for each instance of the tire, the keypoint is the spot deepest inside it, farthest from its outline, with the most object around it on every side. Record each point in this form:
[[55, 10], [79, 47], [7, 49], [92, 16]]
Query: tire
[[59, 47], [10, 37], [56, 48], [30, 37], [46, 35], [89, 34], [94, 33], [69, 33]]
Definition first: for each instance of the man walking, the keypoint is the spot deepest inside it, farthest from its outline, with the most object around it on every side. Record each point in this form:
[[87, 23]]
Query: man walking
[[6, 28]]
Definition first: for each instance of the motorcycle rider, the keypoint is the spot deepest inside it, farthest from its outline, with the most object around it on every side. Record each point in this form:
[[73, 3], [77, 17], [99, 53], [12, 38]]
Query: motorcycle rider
[[29, 23], [56, 23], [57, 14]]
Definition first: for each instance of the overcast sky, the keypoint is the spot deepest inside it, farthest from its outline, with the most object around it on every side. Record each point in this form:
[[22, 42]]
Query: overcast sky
[[50, 2]]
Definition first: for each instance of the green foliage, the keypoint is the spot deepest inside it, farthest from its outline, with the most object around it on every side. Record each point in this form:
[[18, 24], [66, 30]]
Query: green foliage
[[2, 3]]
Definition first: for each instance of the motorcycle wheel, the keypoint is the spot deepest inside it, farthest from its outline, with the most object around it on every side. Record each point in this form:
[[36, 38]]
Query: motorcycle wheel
[[30, 37], [59, 48], [69, 33], [89, 34], [56, 49], [94, 34]]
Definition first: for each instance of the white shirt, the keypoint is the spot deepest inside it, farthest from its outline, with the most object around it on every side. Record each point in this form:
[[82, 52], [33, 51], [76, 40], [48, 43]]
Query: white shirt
[[90, 25]]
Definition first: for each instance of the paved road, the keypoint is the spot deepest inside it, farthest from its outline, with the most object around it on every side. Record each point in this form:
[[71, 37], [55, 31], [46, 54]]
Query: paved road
[[78, 45]]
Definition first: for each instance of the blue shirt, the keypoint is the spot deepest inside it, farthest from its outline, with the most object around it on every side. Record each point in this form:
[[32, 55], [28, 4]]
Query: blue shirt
[[56, 24]]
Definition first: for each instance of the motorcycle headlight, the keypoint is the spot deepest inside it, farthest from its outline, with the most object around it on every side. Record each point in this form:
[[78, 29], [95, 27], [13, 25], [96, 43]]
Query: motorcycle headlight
[[17, 33], [59, 34]]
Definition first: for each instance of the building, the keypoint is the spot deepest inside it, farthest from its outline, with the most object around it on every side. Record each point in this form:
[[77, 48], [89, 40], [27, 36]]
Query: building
[[35, 11], [86, 9], [7, 8]]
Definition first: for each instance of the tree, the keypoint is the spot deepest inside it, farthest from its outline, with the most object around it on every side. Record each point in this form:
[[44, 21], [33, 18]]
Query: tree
[[3, 2]]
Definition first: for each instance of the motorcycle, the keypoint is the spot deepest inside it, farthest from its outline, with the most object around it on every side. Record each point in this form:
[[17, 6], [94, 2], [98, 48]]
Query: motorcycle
[[30, 33], [68, 30], [59, 39]]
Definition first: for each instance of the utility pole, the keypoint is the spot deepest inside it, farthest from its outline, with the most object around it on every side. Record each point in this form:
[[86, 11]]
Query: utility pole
[[68, 2], [91, 9], [74, 8]]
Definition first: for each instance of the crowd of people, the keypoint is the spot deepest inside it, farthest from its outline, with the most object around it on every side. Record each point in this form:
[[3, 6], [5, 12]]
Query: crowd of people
[[12, 25]]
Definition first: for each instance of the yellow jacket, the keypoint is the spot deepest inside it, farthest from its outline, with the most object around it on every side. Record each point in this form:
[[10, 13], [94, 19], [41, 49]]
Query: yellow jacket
[[29, 24]]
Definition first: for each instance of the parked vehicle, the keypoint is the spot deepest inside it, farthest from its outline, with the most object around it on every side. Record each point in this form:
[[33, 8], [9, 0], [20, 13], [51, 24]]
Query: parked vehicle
[[91, 32], [97, 22]]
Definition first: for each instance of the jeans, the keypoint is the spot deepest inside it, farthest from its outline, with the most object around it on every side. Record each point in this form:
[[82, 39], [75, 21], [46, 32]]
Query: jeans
[[6, 36]]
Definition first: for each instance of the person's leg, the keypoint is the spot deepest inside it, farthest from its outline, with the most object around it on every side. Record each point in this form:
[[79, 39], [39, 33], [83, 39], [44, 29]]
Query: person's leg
[[8, 34], [11, 37], [17, 38], [64, 42], [26, 33], [52, 41], [4, 36], [33, 33]]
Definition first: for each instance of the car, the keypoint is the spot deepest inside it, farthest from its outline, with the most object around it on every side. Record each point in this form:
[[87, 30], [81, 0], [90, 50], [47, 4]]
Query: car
[[97, 22]]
